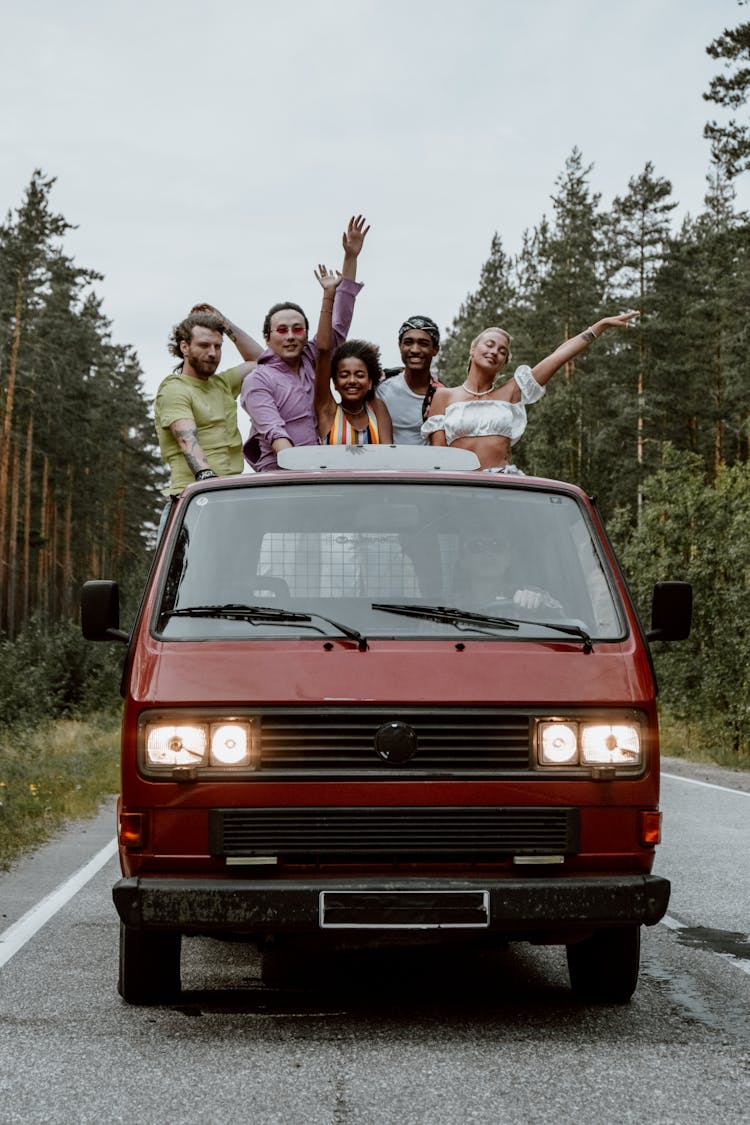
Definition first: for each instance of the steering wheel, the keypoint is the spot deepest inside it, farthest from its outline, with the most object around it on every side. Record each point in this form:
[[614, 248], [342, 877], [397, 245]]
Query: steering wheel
[[508, 607]]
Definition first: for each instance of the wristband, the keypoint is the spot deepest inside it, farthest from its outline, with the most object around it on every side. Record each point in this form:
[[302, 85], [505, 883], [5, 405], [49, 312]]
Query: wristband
[[205, 474]]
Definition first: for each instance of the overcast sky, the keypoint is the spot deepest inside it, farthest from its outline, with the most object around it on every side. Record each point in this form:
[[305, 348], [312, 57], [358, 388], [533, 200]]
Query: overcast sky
[[214, 151]]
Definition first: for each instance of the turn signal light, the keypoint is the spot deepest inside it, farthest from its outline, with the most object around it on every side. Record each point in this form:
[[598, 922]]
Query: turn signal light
[[132, 829], [650, 827]]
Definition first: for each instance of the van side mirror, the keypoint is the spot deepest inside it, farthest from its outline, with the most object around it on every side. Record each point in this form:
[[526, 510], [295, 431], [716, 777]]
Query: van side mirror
[[671, 611], [100, 612]]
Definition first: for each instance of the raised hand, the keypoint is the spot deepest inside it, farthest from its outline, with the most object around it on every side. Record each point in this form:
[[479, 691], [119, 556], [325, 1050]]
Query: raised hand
[[622, 320], [206, 308], [328, 279], [354, 235]]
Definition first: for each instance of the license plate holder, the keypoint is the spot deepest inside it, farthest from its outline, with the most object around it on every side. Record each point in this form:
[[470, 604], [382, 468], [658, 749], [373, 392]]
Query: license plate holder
[[404, 910]]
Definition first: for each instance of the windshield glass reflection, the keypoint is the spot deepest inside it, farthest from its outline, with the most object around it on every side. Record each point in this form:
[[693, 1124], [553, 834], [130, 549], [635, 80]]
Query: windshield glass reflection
[[338, 549]]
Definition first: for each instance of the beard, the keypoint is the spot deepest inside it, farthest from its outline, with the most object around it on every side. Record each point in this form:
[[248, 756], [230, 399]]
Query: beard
[[203, 366]]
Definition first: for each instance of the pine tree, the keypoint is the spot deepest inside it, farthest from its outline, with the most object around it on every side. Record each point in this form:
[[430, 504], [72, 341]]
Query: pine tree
[[568, 271], [640, 224], [700, 371], [25, 244], [489, 306], [78, 467], [730, 143]]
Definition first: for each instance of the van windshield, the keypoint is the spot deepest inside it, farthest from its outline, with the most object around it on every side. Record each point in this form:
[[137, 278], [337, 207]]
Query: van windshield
[[382, 559]]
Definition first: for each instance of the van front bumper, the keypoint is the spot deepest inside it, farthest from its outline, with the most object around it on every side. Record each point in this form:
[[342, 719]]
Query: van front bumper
[[531, 909]]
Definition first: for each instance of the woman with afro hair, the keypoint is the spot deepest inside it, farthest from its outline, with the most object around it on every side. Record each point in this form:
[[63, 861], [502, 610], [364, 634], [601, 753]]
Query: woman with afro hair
[[359, 418]]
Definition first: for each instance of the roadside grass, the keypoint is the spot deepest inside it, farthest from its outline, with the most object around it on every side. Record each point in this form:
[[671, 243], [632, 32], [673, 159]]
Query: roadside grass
[[699, 742], [56, 771]]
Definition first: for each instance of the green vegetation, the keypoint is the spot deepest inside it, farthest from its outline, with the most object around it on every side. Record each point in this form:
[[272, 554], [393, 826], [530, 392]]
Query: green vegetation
[[59, 734], [79, 474], [58, 770], [79, 489]]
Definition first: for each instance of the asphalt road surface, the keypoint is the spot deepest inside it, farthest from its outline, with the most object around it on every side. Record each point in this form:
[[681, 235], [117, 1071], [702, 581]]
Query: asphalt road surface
[[383, 1037]]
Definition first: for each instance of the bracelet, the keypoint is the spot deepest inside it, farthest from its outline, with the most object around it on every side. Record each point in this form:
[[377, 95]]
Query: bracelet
[[589, 335], [205, 474]]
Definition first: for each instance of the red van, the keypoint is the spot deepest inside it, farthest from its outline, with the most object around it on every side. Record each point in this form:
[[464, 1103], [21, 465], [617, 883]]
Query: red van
[[381, 695]]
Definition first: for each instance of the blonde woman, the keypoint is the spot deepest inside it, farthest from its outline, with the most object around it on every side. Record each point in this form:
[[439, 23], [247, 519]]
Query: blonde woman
[[489, 418]]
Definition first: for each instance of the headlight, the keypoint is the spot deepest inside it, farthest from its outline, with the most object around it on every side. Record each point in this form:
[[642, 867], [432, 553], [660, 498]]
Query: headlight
[[618, 744], [170, 745], [559, 744], [566, 742], [223, 744], [230, 744]]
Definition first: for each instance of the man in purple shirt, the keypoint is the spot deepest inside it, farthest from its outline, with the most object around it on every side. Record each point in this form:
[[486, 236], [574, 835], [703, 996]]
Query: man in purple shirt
[[278, 394]]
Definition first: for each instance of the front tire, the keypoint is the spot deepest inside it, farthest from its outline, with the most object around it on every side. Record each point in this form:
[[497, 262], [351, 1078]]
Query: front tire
[[149, 966], [603, 969]]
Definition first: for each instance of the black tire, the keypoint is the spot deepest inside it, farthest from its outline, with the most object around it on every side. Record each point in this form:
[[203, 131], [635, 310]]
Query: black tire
[[603, 969], [149, 966]]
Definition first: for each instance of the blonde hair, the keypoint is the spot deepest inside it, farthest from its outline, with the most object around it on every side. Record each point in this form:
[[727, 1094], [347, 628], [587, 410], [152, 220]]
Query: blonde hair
[[484, 332]]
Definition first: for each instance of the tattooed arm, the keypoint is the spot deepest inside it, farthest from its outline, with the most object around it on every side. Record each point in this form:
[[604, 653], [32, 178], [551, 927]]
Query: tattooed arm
[[186, 437]]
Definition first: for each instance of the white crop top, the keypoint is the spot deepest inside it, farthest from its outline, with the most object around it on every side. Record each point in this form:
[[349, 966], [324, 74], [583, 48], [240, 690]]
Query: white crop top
[[490, 417]]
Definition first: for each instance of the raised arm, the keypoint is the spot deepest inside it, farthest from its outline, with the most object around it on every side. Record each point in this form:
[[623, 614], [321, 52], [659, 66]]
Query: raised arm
[[325, 404], [248, 348], [546, 368], [352, 240]]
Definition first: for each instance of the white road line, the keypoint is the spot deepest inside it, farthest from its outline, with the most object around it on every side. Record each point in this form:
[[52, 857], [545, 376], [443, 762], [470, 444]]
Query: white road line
[[16, 936], [706, 784]]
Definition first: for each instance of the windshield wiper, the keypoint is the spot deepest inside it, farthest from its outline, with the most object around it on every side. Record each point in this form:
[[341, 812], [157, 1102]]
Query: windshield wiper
[[571, 630], [266, 613], [461, 618]]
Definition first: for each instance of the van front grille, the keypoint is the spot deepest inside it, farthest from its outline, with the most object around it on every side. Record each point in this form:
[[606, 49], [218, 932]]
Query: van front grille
[[395, 835], [449, 741]]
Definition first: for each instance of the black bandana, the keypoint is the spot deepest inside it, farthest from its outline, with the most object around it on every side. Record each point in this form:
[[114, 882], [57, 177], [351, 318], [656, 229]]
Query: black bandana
[[421, 324]]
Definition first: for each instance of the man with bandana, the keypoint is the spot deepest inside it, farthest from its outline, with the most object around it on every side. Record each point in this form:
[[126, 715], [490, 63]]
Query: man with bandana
[[408, 394]]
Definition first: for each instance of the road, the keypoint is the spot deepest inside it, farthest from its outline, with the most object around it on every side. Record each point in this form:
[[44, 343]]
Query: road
[[417, 1038]]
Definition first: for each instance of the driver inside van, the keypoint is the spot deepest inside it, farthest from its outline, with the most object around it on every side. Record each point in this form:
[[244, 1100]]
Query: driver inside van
[[486, 577]]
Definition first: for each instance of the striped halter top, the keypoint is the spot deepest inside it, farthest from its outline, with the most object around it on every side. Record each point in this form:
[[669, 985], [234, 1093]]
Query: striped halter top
[[343, 433]]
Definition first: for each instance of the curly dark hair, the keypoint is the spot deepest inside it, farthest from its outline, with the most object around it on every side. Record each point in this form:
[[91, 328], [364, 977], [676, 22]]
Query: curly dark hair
[[278, 308], [183, 332], [370, 356]]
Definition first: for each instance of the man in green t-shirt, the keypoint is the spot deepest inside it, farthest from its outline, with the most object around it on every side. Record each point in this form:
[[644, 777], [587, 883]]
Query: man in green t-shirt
[[196, 407]]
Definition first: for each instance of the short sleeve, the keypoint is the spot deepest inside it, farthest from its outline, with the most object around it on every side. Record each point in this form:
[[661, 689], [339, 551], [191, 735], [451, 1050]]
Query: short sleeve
[[173, 402], [531, 391], [434, 423], [233, 378]]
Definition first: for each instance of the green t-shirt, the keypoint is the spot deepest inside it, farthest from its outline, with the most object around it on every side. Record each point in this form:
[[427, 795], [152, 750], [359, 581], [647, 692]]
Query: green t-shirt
[[212, 404]]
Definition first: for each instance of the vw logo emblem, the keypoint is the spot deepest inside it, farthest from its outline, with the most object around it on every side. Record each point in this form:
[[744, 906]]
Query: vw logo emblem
[[396, 743]]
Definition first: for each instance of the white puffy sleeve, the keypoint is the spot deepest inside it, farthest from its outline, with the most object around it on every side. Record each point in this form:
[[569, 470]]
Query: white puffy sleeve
[[530, 390], [433, 424]]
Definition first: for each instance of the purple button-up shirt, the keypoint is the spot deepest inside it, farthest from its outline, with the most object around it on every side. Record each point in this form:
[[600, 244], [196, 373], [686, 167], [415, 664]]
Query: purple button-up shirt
[[280, 400]]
